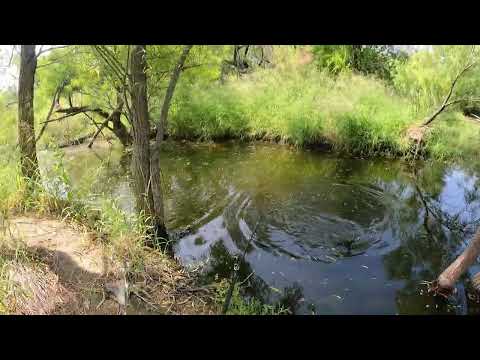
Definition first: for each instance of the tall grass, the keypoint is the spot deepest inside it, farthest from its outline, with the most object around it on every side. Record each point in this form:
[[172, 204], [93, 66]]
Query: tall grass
[[296, 105], [454, 136], [300, 105]]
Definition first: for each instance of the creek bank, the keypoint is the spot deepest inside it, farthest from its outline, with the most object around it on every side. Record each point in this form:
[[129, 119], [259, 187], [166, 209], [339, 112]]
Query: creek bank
[[65, 269]]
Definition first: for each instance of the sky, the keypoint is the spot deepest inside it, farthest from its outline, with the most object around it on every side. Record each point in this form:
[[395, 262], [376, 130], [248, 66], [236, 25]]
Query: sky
[[9, 74]]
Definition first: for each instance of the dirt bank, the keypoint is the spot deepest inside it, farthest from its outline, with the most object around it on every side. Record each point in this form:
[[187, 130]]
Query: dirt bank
[[58, 268]]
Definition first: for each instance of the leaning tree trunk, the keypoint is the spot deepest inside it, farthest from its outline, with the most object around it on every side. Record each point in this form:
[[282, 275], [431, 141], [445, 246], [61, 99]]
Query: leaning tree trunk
[[447, 279], [26, 129], [118, 128], [141, 134], [155, 155]]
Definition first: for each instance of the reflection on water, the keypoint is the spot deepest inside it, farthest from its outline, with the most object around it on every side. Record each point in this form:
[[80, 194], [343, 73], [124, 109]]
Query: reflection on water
[[334, 236]]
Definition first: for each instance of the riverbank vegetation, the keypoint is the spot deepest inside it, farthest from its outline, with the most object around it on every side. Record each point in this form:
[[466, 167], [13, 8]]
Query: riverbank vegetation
[[355, 112], [361, 101], [360, 104]]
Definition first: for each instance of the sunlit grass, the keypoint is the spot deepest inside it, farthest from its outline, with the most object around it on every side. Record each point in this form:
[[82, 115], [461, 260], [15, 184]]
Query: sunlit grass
[[356, 115]]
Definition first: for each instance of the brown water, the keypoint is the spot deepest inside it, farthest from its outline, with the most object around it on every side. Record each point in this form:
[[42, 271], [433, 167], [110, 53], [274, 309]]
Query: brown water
[[334, 235]]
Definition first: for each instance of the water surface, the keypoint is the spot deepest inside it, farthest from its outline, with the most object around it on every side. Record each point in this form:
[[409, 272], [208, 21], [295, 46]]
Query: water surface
[[332, 235]]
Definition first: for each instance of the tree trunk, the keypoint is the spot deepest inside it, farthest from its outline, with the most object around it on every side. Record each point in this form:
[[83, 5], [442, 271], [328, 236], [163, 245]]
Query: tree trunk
[[447, 279], [26, 128], [141, 145], [155, 155], [119, 128]]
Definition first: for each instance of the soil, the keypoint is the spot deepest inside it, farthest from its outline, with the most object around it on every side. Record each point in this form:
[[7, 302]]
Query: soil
[[71, 272]]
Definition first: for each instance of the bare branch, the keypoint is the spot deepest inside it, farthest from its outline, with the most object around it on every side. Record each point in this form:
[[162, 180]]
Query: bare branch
[[446, 102], [11, 57], [56, 95], [105, 123], [75, 111]]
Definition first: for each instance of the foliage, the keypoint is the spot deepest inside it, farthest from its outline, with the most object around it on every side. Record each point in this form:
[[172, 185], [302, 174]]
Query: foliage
[[426, 77], [297, 105], [379, 60]]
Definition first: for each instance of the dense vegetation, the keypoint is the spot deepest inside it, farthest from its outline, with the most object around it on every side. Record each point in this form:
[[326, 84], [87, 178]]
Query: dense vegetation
[[360, 104], [356, 100]]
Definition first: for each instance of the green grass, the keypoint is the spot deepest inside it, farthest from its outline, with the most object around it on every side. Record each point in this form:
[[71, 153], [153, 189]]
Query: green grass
[[299, 105], [454, 137]]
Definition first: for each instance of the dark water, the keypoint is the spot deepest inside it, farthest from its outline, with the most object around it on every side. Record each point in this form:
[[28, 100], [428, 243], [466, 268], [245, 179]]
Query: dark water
[[333, 235]]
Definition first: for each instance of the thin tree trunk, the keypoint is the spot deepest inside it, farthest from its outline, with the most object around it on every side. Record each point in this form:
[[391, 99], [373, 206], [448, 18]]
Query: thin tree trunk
[[26, 128], [141, 131], [155, 155], [447, 279], [56, 97]]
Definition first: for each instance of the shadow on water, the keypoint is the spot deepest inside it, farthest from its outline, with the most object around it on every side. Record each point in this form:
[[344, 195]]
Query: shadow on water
[[336, 236], [220, 266]]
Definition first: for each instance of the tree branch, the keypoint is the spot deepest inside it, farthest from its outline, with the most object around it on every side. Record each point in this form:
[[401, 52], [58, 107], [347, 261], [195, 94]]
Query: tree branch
[[162, 125], [56, 95], [75, 111], [105, 123], [446, 102]]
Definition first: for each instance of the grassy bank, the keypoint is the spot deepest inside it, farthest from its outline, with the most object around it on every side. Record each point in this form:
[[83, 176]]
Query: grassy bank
[[301, 105]]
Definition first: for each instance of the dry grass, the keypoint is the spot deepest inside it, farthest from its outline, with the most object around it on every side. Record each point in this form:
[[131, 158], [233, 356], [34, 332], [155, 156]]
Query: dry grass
[[171, 288], [53, 268], [34, 290]]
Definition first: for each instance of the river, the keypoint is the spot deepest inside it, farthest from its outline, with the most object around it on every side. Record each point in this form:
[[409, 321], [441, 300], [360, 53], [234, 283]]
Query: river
[[332, 235]]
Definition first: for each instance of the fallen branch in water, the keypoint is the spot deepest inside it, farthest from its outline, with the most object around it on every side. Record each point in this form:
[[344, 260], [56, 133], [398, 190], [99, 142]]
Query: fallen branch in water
[[445, 283]]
